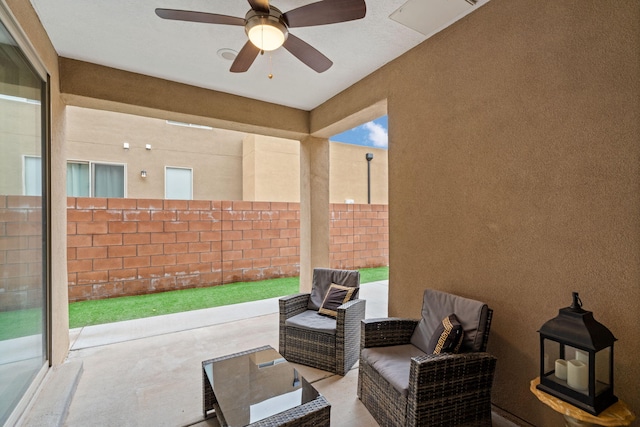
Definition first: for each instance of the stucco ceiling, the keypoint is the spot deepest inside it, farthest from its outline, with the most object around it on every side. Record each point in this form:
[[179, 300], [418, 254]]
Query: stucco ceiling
[[128, 35]]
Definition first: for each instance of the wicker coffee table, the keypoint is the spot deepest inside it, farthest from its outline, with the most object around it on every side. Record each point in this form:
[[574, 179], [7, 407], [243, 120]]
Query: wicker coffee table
[[259, 387]]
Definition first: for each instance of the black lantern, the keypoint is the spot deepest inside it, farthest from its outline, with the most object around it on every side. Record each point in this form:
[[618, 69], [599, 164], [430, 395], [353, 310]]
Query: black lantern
[[576, 359]]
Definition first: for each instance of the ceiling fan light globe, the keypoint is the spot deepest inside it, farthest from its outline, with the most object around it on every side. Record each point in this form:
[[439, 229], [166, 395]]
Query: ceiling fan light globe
[[267, 36], [266, 31]]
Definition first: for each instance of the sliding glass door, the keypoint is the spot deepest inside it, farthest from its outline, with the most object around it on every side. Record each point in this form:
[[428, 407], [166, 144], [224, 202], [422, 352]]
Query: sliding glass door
[[23, 213]]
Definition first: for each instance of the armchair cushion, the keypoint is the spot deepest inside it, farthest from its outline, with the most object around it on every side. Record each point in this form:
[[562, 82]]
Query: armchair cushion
[[336, 296], [393, 363], [312, 321], [323, 278], [437, 305]]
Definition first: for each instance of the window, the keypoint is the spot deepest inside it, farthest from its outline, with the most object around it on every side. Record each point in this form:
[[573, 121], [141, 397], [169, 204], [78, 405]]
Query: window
[[78, 179], [32, 176], [108, 180], [178, 183], [90, 179]]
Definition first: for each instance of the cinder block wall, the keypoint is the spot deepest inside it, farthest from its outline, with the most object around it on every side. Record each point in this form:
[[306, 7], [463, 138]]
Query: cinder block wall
[[359, 236], [20, 252], [120, 247]]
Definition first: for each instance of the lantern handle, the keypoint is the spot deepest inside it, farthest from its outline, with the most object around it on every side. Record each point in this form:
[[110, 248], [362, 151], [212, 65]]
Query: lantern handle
[[577, 302]]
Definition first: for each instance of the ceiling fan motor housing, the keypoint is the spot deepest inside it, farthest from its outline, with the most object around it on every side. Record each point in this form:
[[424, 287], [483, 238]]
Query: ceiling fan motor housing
[[267, 31]]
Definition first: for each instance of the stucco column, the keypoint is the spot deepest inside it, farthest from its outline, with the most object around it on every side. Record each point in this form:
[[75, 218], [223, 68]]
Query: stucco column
[[59, 279], [314, 208]]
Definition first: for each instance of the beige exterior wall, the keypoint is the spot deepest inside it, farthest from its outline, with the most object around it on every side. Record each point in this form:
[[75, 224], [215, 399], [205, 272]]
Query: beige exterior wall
[[214, 155], [513, 168], [348, 174], [227, 165], [14, 144], [271, 169]]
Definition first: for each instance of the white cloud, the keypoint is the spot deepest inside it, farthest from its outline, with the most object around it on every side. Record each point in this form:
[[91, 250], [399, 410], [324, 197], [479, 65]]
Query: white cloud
[[378, 135]]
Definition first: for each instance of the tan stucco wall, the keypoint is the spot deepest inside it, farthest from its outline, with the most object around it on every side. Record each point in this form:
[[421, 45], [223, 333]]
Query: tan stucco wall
[[15, 143], [348, 174], [314, 215], [214, 155], [227, 165], [103, 88], [271, 169], [30, 24], [514, 176]]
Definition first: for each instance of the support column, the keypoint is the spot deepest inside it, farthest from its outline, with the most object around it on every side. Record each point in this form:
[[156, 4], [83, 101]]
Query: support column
[[314, 208]]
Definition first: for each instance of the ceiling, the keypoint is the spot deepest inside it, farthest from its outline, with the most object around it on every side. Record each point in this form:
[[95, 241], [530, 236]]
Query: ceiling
[[128, 35]]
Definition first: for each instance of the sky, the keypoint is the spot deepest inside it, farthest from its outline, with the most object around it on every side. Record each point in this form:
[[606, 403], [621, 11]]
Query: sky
[[372, 134]]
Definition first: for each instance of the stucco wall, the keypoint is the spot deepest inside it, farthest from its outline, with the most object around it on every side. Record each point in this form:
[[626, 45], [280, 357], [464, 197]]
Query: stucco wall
[[514, 178], [214, 155], [226, 165], [348, 174], [15, 143], [271, 169]]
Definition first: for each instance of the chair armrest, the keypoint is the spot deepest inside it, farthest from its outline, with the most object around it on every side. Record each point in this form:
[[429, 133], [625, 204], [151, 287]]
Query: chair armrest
[[468, 374], [292, 305], [350, 314], [386, 331]]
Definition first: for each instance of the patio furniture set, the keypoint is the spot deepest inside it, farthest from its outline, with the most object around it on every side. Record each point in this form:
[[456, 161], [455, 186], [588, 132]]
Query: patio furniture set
[[434, 371]]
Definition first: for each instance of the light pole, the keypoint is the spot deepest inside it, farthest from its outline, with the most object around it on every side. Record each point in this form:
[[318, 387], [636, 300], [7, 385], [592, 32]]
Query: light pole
[[369, 157]]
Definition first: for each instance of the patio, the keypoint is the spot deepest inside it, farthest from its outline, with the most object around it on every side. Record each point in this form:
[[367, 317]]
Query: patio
[[147, 372]]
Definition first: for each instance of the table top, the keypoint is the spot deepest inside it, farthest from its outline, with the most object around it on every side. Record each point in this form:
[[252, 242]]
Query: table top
[[255, 385], [617, 414]]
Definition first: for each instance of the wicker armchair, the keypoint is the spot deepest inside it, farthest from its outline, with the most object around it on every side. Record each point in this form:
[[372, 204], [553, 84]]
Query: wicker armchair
[[401, 385], [322, 342]]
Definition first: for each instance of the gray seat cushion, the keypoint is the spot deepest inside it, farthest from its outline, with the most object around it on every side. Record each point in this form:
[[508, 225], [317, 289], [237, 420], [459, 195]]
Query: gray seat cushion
[[437, 305], [393, 363], [322, 280], [313, 321]]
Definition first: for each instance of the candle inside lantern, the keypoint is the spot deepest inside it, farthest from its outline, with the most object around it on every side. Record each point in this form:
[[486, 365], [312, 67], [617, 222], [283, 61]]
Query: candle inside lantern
[[561, 369], [577, 374]]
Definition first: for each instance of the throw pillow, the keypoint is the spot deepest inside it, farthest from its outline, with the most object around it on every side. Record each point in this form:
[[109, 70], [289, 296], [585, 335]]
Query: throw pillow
[[336, 296], [447, 337]]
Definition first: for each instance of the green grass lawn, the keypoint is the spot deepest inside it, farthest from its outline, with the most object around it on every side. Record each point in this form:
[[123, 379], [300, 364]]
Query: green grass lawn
[[86, 313], [20, 323]]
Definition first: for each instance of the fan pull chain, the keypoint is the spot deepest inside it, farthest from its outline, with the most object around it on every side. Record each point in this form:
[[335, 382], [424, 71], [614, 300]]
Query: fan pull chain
[[270, 75]]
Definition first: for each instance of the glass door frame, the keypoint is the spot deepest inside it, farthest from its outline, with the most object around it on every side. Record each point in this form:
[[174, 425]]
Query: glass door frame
[[10, 23]]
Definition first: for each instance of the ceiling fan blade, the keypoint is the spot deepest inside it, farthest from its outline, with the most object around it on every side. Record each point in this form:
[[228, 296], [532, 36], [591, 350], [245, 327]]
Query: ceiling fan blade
[[191, 16], [260, 5], [245, 58], [326, 12], [307, 54]]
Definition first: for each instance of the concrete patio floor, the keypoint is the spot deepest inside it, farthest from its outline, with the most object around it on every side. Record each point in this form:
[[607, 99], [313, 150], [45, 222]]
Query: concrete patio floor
[[147, 372]]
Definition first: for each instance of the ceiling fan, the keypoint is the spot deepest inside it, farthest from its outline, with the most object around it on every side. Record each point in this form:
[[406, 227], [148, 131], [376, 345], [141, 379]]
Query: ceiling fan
[[268, 28]]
